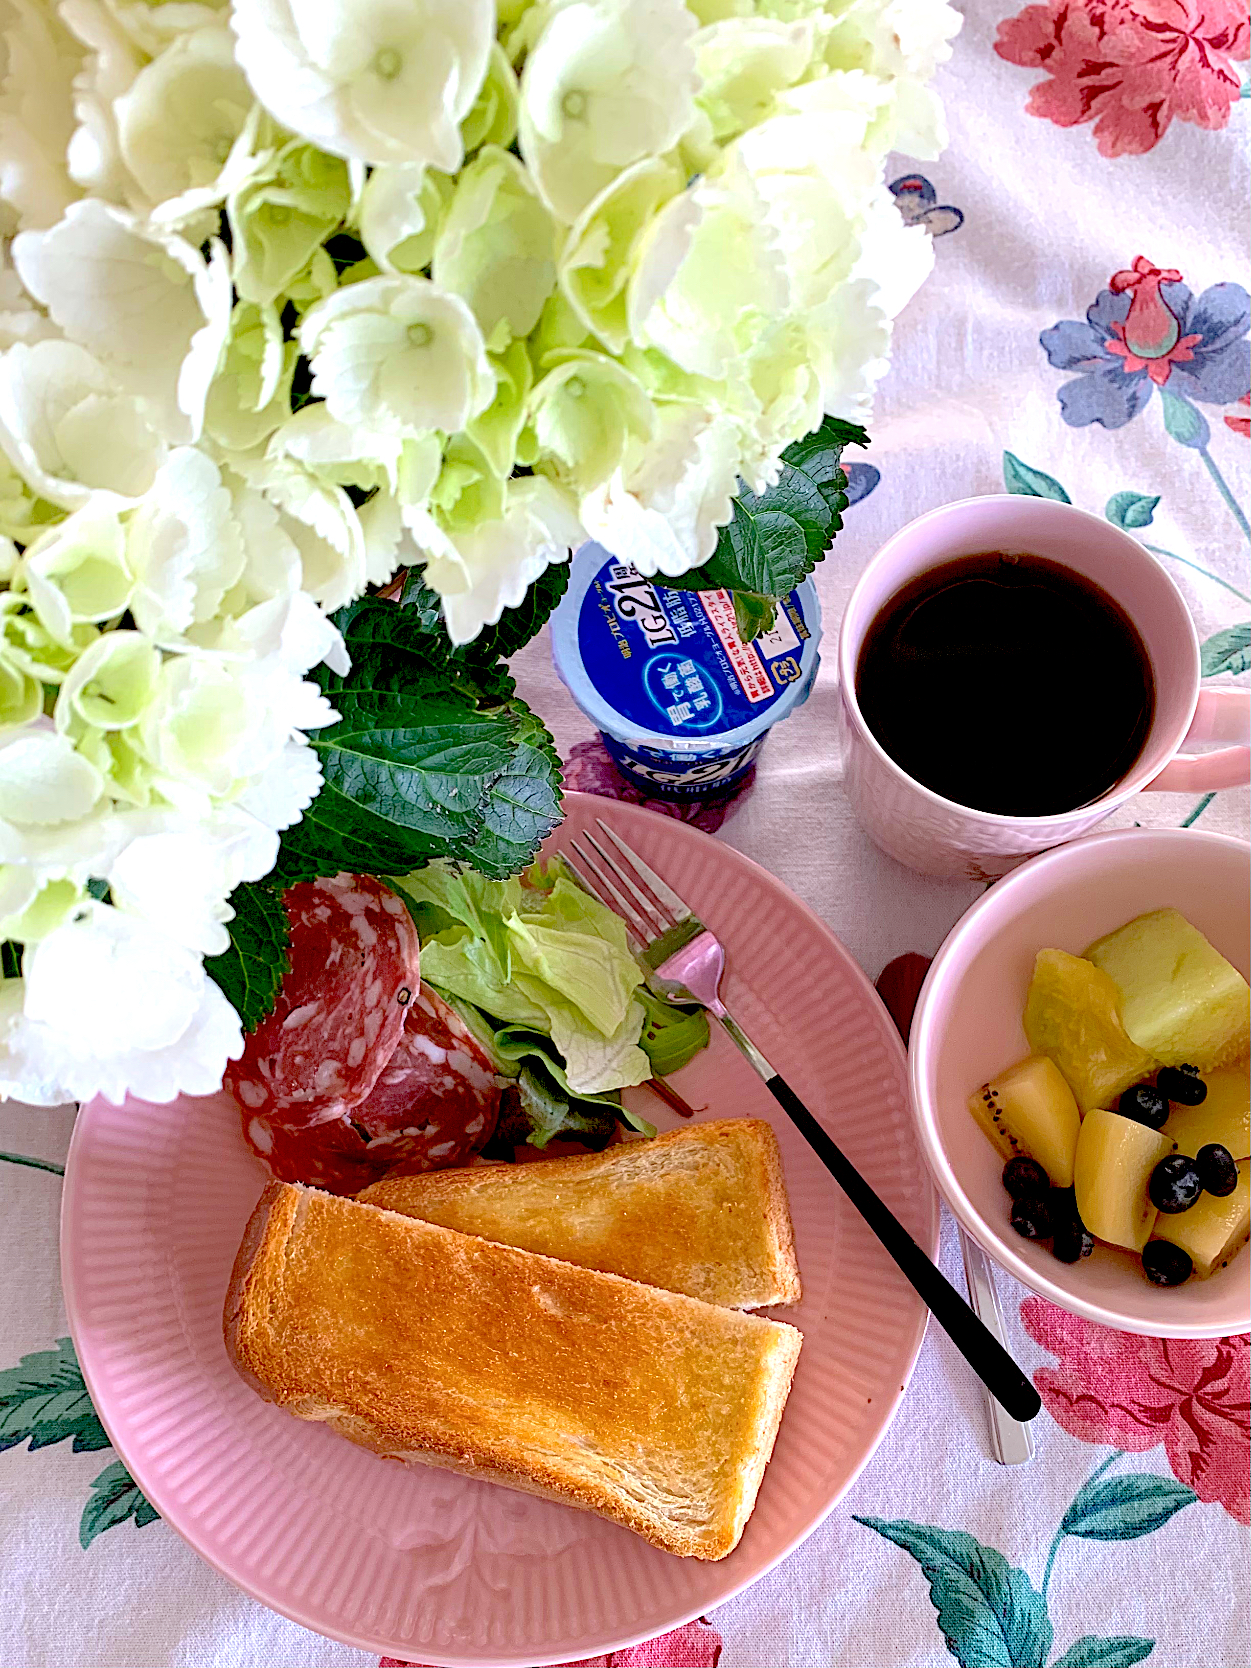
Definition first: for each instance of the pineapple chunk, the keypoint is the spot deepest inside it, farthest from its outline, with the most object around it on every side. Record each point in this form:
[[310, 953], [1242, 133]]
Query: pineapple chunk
[[1180, 998], [1030, 1109], [1072, 1014], [1225, 1115], [1111, 1168], [1214, 1230]]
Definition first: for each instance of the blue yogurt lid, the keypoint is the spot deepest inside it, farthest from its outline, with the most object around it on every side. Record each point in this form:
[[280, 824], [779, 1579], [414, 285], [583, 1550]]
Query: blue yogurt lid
[[655, 666]]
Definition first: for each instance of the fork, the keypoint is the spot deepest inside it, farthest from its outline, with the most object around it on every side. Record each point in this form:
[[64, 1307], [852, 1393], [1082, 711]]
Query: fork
[[683, 960]]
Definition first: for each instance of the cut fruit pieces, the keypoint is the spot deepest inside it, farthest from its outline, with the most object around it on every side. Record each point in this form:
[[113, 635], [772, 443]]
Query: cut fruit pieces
[[1113, 1164], [1030, 1109], [1180, 998], [1214, 1230], [1225, 1116], [1072, 1014]]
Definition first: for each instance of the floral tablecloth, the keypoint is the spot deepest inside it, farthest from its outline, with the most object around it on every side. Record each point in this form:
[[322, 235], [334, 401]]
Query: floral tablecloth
[[1084, 336]]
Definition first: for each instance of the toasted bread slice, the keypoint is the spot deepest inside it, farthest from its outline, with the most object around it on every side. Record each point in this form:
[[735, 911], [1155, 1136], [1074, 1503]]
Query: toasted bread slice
[[650, 1408], [702, 1211]]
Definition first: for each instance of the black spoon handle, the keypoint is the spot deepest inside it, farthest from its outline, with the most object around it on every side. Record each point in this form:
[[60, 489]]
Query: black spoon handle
[[987, 1357]]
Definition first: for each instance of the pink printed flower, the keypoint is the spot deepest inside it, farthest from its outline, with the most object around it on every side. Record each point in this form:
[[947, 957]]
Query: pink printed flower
[[697, 1645], [1130, 66], [1132, 1393], [588, 769], [1241, 425]]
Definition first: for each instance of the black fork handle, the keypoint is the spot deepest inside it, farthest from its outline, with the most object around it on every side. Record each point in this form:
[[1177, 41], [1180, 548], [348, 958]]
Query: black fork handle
[[983, 1352]]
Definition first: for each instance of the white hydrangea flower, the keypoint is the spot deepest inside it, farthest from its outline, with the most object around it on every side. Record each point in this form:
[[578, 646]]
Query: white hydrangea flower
[[489, 567], [152, 24], [21, 696], [399, 355], [599, 255], [43, 782], [32, 904], [319, 521], [111, 61], [78, 572], [251, 394], [110, 685], [371, 79], [113, 1006], [743, 62], [183, 547], [729, 284], [40, 60], [399, 214], [146, 303], [663, 509], [607, 83], [280, 212], [496, 245], [586, 415], [70, 428]]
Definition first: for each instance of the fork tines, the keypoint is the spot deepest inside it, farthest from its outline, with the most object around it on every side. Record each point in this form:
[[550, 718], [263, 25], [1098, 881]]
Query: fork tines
[[651, 908]]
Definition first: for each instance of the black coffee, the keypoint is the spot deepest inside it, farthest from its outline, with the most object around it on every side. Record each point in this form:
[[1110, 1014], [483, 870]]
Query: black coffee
[[1007, 683]]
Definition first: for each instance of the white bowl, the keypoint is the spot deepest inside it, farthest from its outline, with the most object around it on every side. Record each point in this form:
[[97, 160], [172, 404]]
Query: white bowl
[[968, 1025]]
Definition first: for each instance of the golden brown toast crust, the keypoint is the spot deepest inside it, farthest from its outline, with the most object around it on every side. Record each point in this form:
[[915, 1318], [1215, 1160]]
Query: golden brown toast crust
[[650, 1408], [700, 1210]]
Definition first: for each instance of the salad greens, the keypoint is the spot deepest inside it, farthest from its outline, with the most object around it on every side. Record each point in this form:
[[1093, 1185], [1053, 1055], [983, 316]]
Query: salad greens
[[543, 974]]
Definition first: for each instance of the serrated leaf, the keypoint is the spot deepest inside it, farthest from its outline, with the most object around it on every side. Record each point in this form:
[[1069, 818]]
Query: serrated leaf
[[513, 630], [1131, 509], [753, 614], [1124, 1508], [1123, 1651], [774, 539], [1228, 651], [44, 1399], [990, 1615], [251, 971], [1025, 480], [115, 1497]]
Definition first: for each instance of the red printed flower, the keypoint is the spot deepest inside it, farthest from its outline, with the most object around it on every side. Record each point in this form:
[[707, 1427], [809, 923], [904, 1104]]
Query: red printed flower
[[1132, 1393], [697, 1645], [1130, 66], [1241, 425]]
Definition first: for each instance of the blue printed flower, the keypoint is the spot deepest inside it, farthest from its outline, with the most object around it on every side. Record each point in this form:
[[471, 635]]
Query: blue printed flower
[[1147, 330]]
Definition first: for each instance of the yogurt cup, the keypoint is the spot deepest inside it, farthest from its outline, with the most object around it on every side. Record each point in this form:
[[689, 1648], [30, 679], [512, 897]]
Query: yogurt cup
[[683, 706]]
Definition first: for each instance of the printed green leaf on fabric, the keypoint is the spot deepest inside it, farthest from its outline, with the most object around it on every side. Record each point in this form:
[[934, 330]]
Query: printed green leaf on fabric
[[251, 971], [775, 538], [1123, 1651], [1184, 422], [44, 1399], [115, 1497], [990, 1615], [1228, 651], [1131, 509], [1123, 1508], [1025, 480]]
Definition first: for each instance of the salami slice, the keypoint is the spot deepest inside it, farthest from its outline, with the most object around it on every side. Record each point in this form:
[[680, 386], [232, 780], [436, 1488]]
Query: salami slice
[[434, 1105], [340, 1012]]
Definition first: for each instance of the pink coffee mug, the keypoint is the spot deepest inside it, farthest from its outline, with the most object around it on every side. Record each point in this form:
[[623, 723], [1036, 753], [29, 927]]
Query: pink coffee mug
[[939, 837]]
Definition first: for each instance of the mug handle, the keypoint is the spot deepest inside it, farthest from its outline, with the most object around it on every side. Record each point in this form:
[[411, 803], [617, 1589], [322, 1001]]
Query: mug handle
[[1221, 715]]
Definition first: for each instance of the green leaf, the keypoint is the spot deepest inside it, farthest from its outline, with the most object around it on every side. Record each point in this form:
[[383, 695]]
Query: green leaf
[[1091, 1652], [1184, 422], [251, 971], [990, 1615], [671, 1036], [551, 1111], [776, 538], [753, 615], [44, 1399], [115, 1497], [1131, 509], [1123, 1508], [1024, 479], [1228, 651], [515, 627], [10, 959]]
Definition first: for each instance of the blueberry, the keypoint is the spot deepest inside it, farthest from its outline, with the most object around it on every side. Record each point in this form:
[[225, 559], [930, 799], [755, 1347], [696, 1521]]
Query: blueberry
[[1064, 1205], [1165, 1264], [1144, 1105], [1175, 1184], [1182, 1084], [1031, 1218], [1071, 1241], [1025, 1178], [1217, 1170]]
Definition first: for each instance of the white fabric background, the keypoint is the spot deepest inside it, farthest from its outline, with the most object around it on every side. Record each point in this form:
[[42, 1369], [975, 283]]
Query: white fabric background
[[1047, 222]]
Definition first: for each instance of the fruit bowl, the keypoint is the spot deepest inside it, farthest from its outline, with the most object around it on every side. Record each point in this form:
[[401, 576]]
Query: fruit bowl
[[968, 1026]]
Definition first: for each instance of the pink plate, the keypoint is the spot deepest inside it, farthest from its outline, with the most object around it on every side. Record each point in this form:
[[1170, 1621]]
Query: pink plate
[[437, 1568]]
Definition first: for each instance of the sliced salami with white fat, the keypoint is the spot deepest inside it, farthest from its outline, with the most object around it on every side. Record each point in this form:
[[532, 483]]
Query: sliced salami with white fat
[[340, 1012]]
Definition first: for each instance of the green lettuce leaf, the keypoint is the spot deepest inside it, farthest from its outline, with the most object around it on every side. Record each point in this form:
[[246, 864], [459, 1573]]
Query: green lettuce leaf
[[671, 1036]]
